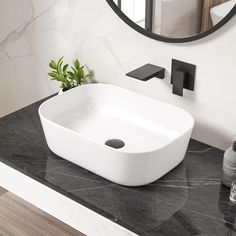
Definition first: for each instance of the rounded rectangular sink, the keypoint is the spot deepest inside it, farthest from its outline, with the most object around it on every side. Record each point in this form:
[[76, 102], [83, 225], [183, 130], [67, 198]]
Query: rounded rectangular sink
[[123, 136]]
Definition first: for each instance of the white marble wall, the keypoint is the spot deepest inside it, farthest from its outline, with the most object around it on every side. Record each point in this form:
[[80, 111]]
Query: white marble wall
[[34, 31]]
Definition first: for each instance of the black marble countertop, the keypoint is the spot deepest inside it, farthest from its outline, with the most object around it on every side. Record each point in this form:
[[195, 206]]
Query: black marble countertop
[[189, 200]]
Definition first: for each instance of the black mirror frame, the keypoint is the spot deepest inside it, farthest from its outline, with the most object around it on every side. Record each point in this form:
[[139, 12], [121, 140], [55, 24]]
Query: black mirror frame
[[167, 39]]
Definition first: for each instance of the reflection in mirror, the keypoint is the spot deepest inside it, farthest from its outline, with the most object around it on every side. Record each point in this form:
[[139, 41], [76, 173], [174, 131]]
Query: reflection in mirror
[[176, 18]]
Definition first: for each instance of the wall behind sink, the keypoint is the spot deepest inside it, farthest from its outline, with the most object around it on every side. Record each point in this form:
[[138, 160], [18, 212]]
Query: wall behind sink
[[34, 31]]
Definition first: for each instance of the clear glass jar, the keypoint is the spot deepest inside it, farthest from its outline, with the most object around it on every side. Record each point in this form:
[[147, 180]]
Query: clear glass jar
[[229, 165], [232, 196]]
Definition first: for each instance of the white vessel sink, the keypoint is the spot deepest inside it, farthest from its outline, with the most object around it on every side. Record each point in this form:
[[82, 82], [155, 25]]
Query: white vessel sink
[[220, 11], [151, 137]]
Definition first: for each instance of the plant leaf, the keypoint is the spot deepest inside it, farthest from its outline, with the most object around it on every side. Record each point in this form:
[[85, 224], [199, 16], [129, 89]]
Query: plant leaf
[[53, 64], [88, 76], [52, 74], [77, 64], [65, 68]]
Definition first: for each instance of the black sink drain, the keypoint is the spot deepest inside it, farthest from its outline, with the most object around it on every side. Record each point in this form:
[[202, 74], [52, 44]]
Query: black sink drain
[[115, 143]]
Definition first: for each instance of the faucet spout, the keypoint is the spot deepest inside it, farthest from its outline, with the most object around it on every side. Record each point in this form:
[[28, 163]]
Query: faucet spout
[[147, 72]]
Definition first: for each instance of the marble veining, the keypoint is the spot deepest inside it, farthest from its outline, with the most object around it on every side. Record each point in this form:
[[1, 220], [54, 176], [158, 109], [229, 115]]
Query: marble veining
[[189, 200], [19, 32], [32, 32]]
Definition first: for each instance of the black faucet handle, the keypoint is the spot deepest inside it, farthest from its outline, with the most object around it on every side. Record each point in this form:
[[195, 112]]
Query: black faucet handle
[[182, 76], [178, 82]]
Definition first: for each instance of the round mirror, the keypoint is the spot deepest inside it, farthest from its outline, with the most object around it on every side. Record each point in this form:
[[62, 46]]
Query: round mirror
[[175, 21]]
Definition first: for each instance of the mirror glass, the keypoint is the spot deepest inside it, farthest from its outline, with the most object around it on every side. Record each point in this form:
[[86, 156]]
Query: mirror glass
[[176, 18]]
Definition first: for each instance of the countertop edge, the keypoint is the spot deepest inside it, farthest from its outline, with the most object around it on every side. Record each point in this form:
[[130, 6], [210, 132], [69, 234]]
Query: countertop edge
[[72, 213]]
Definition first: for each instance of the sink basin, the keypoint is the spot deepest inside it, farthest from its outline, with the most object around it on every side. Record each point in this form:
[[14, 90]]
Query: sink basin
[[123, 136], [220, 11]]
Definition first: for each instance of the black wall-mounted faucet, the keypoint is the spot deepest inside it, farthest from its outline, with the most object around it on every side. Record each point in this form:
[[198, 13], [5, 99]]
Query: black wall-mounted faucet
[[147, 72], [182, 76]]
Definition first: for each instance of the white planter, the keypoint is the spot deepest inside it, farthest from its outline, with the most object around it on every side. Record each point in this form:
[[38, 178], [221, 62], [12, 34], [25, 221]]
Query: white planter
[[60, 92]]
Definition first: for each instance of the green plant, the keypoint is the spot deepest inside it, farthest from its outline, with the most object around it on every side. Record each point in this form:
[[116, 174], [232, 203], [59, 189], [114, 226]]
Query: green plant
[[69, 78]]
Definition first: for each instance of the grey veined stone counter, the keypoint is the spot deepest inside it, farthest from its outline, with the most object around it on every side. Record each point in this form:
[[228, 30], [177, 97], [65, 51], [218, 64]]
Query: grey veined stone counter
[[189, 200]]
